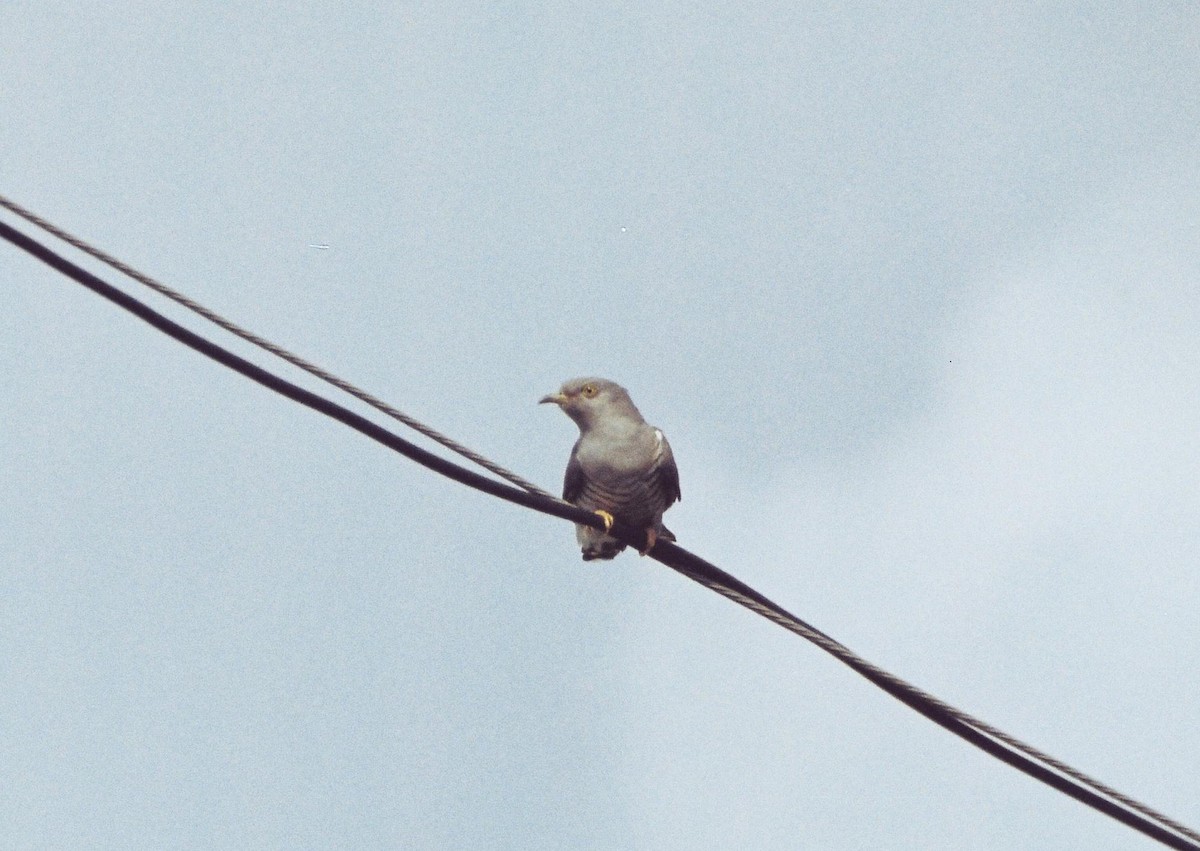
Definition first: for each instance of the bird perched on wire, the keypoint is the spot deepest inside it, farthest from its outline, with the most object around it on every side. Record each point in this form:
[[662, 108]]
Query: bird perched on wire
[[621, 468]]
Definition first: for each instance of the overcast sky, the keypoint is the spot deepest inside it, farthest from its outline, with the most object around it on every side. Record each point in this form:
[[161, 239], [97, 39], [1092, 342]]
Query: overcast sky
[[913, 290]]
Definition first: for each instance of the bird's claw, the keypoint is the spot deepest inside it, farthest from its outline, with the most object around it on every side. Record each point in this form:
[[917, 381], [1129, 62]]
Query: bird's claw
[[607, 518]]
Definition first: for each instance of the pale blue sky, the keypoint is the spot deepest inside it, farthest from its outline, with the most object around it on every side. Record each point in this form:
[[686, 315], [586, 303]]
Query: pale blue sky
[[912, 289]]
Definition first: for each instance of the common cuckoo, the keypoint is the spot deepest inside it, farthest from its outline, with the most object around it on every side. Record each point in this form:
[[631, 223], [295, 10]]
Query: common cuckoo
[[621, 467]]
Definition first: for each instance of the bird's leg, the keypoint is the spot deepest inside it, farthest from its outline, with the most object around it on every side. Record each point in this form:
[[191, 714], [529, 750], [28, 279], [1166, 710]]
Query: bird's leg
[[607, 518], [651, 540]]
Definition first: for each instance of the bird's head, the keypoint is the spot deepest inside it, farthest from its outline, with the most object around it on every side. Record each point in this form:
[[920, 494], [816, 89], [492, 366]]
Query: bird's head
[[586, 400]]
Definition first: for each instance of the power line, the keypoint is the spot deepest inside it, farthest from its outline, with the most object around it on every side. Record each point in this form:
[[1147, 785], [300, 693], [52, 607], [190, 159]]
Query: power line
[[267, 345], [1021, 756]]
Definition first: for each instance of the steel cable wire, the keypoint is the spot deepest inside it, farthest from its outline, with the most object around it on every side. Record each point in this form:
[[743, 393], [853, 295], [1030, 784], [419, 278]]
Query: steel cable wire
[[1142, 818], [267, 345]]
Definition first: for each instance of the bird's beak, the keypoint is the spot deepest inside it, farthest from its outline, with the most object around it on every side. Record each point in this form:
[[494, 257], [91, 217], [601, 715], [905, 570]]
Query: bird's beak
[[554, 398]]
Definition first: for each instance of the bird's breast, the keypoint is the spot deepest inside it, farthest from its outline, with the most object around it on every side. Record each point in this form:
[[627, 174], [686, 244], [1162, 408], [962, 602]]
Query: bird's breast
[[622, 476]]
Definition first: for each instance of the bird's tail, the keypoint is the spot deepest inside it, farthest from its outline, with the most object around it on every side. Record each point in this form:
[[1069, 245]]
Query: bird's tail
[[604, 549], [608, 548]]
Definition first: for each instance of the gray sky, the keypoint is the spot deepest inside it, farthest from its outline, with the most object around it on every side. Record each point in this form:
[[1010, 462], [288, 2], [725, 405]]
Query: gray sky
[[912, 289]]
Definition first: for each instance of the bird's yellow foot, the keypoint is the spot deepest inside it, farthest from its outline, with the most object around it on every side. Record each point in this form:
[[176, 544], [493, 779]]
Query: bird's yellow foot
[[651, 540], [608, 520]]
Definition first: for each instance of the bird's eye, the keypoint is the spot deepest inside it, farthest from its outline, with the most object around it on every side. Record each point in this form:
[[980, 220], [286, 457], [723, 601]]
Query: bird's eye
[[589, 390]]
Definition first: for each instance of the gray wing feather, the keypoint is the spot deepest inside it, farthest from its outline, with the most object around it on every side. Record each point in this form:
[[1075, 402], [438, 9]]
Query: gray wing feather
[[574, 480], [668, 475]]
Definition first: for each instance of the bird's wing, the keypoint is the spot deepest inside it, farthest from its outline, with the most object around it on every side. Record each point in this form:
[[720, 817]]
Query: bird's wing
[[667, 472], [574, 479]]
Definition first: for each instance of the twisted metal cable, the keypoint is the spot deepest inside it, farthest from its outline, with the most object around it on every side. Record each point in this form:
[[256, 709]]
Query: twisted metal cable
[[848, 657], [267, 345], [671, 555]]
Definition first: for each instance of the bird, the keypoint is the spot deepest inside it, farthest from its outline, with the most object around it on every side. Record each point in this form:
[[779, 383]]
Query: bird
[[621, 467]]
